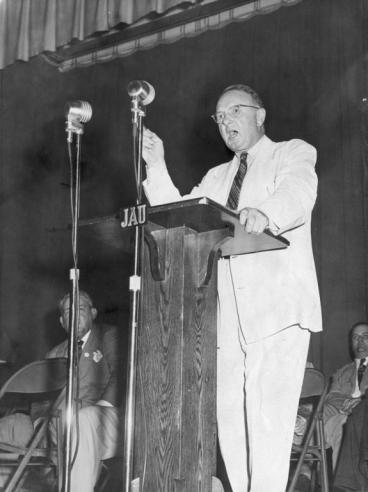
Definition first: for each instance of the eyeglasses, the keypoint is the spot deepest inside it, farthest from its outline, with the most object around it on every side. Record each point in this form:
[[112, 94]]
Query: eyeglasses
[[233, 112], [356, 338]]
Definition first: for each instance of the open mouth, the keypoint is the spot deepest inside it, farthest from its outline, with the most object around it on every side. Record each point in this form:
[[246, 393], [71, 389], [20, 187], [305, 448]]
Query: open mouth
[[362, 350], [232, 134]]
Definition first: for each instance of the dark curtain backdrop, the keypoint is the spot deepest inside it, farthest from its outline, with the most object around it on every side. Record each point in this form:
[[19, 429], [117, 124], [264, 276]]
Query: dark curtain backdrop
[[308, 63]]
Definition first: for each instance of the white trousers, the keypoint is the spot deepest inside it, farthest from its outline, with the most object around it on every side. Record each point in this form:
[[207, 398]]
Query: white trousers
[[100, 438], [257, 400], [334, 427]]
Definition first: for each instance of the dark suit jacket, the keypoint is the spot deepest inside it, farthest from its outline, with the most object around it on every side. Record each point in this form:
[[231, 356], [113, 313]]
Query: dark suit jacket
[[351, 470], [100, 366]]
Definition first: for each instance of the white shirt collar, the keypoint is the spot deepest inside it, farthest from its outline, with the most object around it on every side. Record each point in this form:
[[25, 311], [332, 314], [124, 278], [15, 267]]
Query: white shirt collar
[[357, 361], [252, 151], [85, 338]]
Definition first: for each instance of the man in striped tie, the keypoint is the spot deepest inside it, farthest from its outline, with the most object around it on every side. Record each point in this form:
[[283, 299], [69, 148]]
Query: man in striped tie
[[345, 412], [268, 302]]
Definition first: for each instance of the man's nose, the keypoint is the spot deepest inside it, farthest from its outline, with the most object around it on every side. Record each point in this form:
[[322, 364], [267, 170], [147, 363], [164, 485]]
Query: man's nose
[[227, 118]]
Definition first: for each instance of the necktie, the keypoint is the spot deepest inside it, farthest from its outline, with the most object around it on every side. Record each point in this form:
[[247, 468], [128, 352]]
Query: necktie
[[80, 347], [361, 370], [233, 200]]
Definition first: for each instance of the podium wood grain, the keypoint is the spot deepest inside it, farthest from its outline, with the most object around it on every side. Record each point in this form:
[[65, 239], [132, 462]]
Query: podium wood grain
[[175, 434]]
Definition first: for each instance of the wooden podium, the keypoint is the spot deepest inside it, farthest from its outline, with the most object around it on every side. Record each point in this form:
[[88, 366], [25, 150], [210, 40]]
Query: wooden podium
[[175, 421]]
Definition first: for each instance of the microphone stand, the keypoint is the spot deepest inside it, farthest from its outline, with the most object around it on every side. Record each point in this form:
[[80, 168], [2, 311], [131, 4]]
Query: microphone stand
[[135, 280], [72, 126]]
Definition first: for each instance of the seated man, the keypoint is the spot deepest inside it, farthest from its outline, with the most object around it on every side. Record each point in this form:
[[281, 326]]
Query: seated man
[[348, 385], [99, 430], [99, 392]]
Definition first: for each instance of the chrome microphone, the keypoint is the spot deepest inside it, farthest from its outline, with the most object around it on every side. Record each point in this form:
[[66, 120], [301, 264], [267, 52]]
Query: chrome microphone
[[142, 91], [80, 111], [77, 112]]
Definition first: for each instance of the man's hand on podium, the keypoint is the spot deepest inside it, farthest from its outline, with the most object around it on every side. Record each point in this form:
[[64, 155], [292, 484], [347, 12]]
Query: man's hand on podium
[[253, 220]]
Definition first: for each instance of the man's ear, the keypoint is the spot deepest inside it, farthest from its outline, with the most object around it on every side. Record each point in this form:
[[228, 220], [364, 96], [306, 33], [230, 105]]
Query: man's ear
[[94, 313], [261, 116]]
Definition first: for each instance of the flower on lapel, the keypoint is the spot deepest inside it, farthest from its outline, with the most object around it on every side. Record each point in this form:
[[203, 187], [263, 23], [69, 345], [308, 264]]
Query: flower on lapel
[[97, 356]]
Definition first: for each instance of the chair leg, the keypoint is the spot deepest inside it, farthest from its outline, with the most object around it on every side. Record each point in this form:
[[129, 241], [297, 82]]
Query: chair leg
[[300, 461], [324, 471], [14, 481], [60, 456], [20, 483], [313, 476]]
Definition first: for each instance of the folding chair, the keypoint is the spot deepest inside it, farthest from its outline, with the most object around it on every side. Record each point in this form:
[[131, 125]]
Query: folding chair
[[43, 379], [312, 449]]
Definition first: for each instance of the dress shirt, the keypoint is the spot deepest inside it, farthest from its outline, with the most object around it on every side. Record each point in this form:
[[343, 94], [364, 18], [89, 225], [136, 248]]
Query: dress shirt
[[357, 392], [85, 338]]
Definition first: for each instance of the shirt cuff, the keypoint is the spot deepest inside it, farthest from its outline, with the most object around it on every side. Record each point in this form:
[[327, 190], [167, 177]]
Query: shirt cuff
[[104, 403], [156, 174]]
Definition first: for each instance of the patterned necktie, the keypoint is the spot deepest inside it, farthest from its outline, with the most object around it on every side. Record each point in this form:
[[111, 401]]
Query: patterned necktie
[[233, 200], [361, 370]]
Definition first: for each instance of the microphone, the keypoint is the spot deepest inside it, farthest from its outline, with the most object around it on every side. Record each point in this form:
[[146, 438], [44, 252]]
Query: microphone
[[77, 112], [142, 91], [80, 111]]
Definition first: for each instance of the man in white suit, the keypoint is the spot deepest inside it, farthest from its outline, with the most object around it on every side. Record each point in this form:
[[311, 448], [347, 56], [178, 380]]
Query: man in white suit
[[268, 302]]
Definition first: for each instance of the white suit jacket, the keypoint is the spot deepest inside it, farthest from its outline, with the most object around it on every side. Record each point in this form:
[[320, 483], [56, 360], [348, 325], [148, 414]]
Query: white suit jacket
[[273, 289]]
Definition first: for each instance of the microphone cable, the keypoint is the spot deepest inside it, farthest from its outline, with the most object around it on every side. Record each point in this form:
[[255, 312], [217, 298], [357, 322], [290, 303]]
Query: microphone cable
[[74, 165]]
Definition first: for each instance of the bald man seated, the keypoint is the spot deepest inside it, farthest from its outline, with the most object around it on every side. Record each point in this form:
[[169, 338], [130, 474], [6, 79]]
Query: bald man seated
[[98, 435]]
